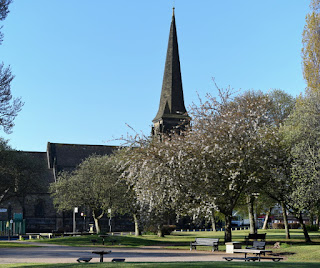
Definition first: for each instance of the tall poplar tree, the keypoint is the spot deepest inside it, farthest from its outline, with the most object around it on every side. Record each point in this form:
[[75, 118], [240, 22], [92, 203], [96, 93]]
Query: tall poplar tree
[[311, 47]]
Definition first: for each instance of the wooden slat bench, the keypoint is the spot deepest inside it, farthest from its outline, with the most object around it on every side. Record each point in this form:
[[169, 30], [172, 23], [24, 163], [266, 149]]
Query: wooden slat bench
[[257, 245], [276, 259], [213, 242], [237, 258], [261, 237], [84, 259], [271, 258], [118, 260]]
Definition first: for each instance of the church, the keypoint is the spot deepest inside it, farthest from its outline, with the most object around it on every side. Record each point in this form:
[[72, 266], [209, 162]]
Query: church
[[38, 213]]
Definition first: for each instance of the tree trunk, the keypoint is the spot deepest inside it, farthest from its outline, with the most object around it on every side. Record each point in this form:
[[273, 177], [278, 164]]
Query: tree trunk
[[285, 219], [250, 202], [2, 196], [304, 229], [213, 220], [160, 231], [96, 221], [311, 218], [228, 230], [136, 225], [266, 219]]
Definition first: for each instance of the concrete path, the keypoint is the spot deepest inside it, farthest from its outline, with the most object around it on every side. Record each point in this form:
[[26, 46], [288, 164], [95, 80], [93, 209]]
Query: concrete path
[[65, 254], [48, 253]]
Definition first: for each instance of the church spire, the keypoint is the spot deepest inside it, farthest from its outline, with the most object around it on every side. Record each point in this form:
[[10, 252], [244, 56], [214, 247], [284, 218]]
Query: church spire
[[172, 112]]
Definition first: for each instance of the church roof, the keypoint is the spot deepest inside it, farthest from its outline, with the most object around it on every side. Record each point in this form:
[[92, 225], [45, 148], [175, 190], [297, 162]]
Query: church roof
[[47, 175], [171, 100], [69, 156]]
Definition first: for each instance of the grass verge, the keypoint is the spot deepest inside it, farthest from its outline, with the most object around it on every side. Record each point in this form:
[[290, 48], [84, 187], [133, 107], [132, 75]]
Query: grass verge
[[5, 244], [172, 264]]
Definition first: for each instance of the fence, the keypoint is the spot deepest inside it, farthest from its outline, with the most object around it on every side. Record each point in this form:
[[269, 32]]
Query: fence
[[208, 230], [17, 227]]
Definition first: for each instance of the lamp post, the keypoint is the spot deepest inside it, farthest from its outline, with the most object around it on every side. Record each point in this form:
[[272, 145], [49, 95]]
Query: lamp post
[[75, 210], [109, 212], [84, 221]]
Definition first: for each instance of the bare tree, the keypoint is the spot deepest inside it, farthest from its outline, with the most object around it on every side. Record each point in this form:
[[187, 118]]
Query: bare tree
[[9, 107]]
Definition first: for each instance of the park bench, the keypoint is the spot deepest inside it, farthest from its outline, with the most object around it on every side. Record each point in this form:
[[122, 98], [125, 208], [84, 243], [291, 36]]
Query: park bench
[[213, 242], [239, 258], [261, 237], [256, 252], [117, 260], [275, 259], [270, 258], [258, 245], [84, 259]]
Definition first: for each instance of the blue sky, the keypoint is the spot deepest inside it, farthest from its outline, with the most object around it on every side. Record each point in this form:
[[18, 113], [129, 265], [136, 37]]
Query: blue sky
[[85, 69]]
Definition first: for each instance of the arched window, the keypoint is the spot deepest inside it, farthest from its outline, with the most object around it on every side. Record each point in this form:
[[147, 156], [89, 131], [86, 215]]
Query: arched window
[[39, 208]]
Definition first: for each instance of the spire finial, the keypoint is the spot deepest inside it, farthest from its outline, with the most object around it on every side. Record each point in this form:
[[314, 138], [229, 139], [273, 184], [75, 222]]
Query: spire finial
[[173, 10]]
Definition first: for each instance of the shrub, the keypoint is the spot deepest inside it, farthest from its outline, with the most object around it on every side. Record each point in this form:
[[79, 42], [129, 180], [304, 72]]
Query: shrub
[[312, 227], [168, 229], [150, 230], [294, 225], [278, 225]]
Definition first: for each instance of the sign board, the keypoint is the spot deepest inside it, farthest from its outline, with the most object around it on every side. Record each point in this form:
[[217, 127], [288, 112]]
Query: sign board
[[75, 210], [3, 210], [17, 216]]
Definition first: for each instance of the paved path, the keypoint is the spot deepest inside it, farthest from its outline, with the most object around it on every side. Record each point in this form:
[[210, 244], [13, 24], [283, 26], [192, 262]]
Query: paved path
[[49, 253]]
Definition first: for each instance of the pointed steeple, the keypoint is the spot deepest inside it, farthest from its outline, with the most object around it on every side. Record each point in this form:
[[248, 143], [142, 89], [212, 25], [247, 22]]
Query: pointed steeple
[[172, 112]]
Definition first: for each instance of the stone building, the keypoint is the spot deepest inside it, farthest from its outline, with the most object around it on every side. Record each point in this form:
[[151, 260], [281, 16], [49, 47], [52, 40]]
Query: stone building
[[39, 213]]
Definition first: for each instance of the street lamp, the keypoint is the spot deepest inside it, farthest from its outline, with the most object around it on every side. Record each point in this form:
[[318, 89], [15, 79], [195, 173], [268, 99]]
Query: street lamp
[[75, 210], [109, 212], [84, 221]]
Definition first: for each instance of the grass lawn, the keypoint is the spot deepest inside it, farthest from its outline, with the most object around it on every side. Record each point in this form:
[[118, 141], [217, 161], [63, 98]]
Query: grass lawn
[[171, 264], [296, 251], [5, 244], [180, 239]]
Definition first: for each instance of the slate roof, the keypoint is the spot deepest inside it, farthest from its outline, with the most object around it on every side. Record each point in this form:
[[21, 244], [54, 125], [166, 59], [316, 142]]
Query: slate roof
[[42, 157], [68, 156], [171, 100]]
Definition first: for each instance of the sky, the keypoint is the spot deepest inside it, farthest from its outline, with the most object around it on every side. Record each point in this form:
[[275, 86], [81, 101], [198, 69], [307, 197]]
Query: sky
[[88, 69]]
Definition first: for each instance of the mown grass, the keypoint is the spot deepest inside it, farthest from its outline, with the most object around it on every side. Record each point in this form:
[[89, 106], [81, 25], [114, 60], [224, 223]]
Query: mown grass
[[171, 264], [6, 244], [296, 251], [178, 239]]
